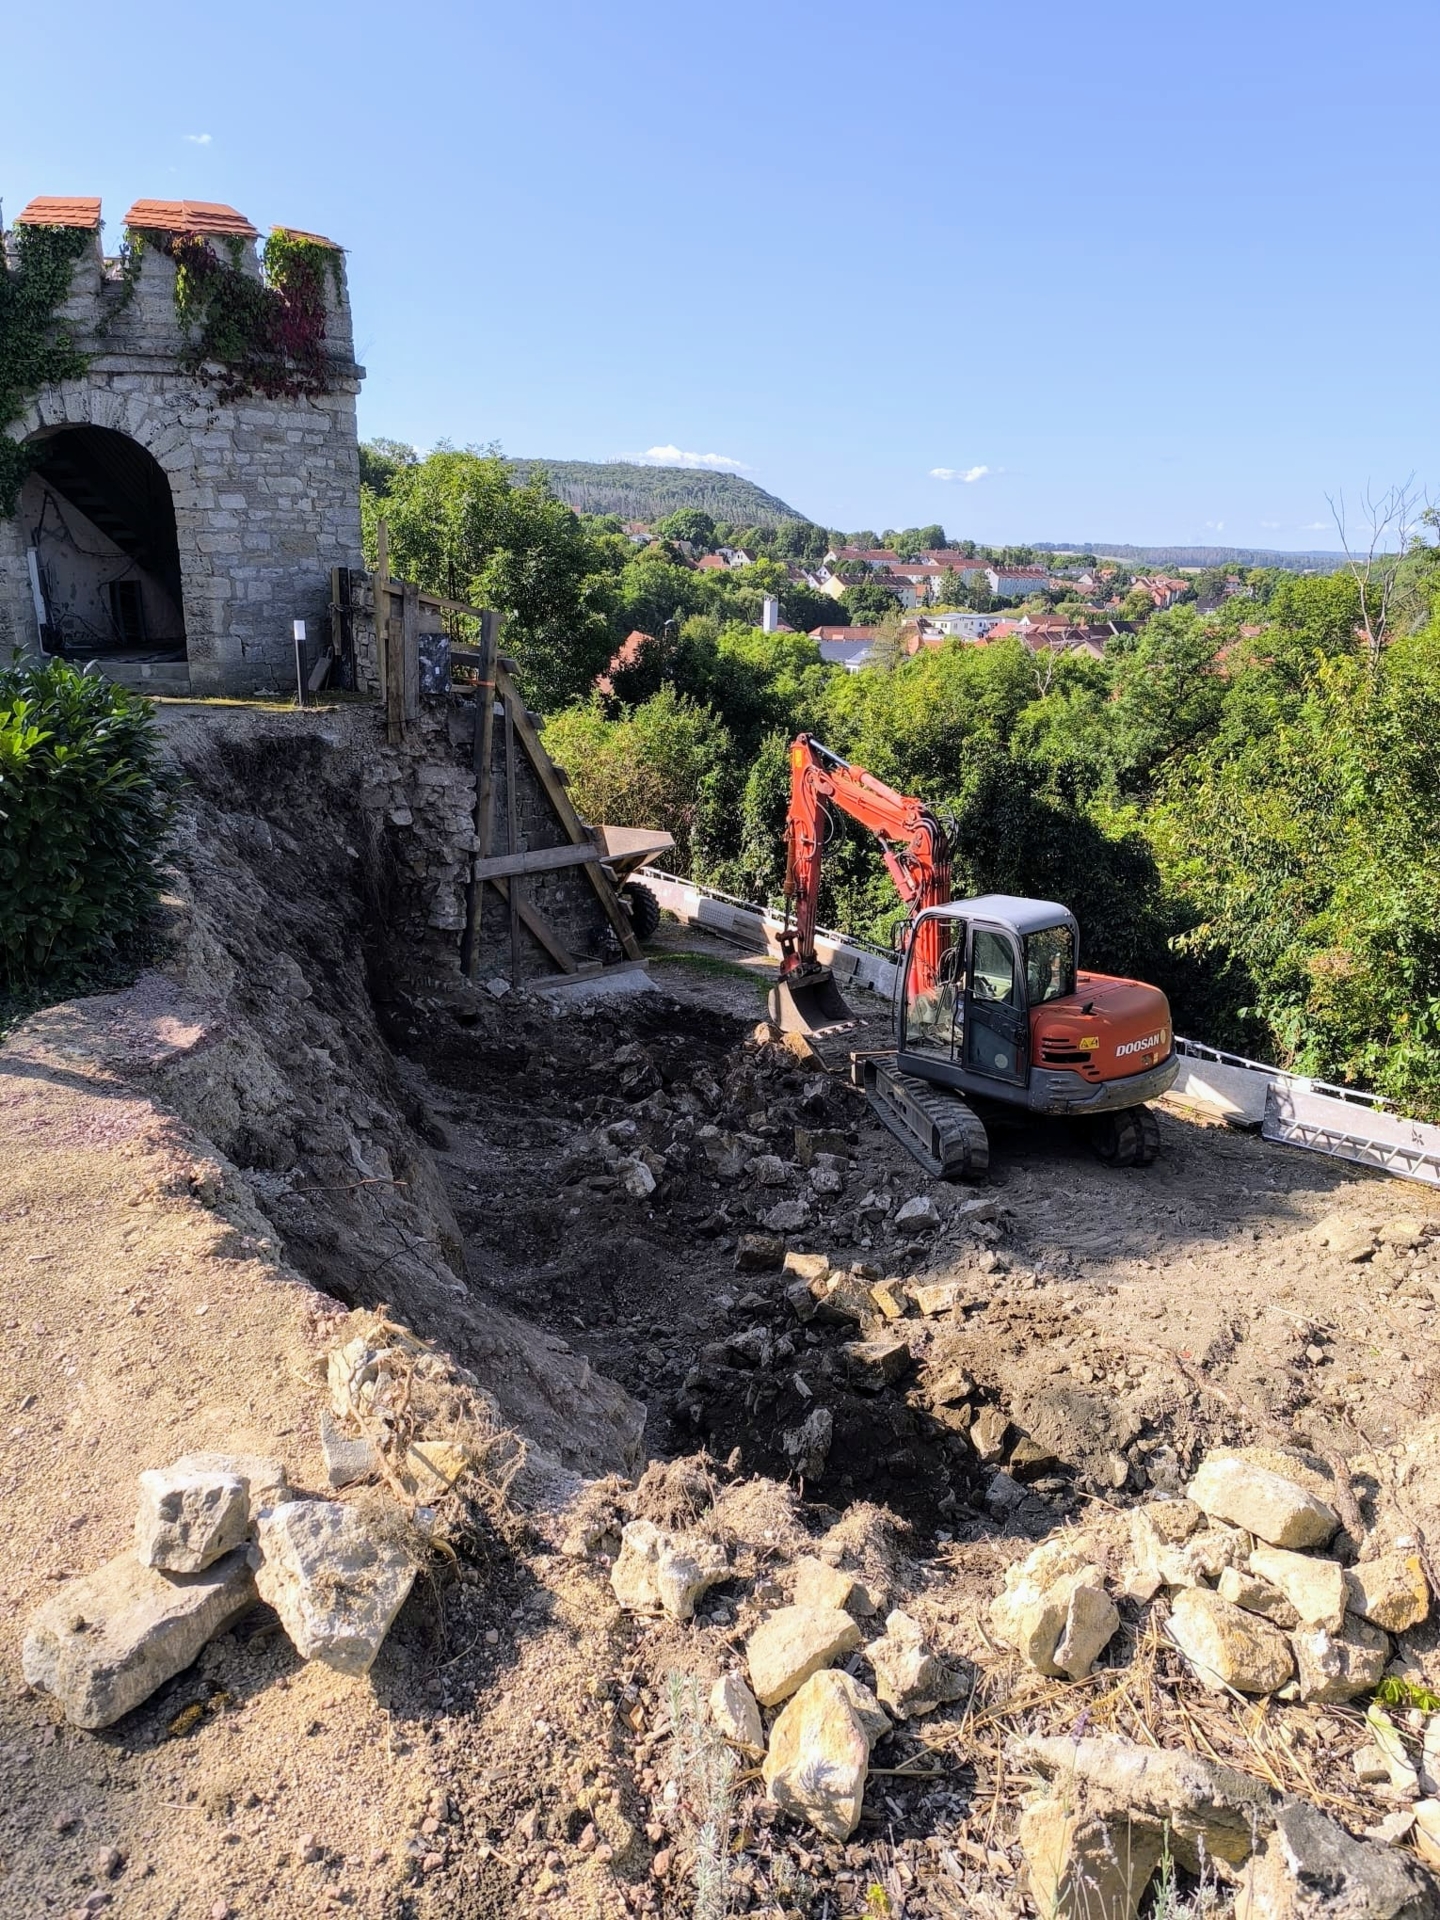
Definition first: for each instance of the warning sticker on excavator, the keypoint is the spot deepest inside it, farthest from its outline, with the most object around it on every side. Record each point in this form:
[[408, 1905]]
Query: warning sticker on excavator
[[1088, 1042]]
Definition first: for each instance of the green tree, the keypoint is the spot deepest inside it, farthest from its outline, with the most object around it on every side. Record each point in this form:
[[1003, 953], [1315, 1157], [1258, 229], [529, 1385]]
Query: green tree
[[869, 603], [687, 523]]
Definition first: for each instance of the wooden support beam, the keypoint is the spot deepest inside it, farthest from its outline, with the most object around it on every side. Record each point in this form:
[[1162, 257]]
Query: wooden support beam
[[504, 866], [540, 927], [483, 753], [564, 806], [512, 835]]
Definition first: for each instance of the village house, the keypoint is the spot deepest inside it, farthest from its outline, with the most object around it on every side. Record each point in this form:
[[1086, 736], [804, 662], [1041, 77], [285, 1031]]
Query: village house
[[848, 647], [1013, 583]]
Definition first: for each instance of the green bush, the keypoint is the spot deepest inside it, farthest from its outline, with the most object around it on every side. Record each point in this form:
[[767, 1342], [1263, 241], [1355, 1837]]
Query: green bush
[[84, 807]]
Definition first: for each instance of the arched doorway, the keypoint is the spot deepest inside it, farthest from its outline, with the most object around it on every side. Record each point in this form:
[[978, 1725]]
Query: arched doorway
[[98, 522]]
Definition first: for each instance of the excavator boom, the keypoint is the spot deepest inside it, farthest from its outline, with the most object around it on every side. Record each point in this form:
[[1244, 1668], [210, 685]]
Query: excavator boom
[[916, 854]]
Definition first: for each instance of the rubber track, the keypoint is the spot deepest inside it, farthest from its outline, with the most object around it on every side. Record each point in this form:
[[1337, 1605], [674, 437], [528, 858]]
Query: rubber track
[[945, 1135]]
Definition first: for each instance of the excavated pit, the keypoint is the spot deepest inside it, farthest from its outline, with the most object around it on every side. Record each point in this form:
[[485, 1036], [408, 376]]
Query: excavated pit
[[304, 1099]]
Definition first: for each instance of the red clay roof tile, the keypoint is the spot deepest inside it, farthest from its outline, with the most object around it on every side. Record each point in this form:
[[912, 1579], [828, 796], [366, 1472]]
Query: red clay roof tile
[[191, 216], [76, 210]]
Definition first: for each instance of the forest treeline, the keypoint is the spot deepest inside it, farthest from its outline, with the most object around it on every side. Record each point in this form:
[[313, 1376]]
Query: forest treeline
[[1241, 805]]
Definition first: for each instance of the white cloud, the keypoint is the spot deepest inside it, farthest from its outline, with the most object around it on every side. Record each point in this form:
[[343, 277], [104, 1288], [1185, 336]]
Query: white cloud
[[198, 139], [1314, 526], [1216, 526], [677, 457], [1271, 525], [967, 475]]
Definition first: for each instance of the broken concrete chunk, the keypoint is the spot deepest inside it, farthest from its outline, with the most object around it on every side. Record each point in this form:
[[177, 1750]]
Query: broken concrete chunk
[[1257, 1596], [819, 1585], [735, 1714], [758, 1253], [1226, 1647], [874, 1364], [1391, 1592], [1211, 1810], [660, 1572], [794, 1642], [334, 1584], [104, 1643], [1055, 1608], [1315, 1588], [1277, 1510], [346, 1460], [1340, 1666], [909, 1679], [1085, 1865], [819, 1754], [1311, 1869], [186, 1521]]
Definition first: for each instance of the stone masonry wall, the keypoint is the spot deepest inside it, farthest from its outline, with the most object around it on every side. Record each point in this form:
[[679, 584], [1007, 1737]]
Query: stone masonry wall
[[266, 492]]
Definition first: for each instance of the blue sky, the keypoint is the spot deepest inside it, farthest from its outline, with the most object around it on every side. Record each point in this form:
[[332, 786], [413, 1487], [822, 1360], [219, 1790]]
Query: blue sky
[[1141, 272]]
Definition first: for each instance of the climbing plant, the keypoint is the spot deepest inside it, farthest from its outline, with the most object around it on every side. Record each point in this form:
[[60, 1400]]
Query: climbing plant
[[246, 335], [35, 348]]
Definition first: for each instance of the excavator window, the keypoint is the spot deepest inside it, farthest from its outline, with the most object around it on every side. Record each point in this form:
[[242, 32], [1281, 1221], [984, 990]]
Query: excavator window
[[994, 967], [935, 983], [1050, 964]]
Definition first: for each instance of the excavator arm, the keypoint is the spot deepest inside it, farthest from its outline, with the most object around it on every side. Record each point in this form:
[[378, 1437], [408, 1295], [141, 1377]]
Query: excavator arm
[[916, 854]]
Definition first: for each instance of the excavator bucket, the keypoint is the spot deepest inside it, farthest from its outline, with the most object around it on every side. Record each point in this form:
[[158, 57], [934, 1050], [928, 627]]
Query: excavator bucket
[[810, 1003]]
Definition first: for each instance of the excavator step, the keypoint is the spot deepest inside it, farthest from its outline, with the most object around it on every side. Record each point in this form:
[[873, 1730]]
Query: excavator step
[[945, 1135]]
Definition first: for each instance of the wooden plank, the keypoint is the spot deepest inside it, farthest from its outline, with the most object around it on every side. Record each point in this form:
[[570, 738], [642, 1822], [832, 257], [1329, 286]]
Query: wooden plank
[[410, 652], [512, 835], [565, 807], [382, 602], [451, 606], [503, 866], [483, 755], [537, 924]]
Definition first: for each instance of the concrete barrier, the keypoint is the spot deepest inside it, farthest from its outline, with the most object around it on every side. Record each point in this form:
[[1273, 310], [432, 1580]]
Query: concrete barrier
[[854, 962]]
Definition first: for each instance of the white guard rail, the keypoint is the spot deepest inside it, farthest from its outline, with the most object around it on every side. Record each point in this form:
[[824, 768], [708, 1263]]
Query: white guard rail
[[1285, 1107]]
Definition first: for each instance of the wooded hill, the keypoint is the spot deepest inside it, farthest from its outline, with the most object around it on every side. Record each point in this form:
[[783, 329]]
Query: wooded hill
[[1197, 556], [648, 493]]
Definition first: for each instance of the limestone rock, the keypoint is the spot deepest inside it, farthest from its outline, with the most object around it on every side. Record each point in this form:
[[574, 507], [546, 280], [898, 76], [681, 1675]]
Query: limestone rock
[[1346, 1238], [660, 1572], [1391, 1592], [819, 1752], [1257, 1596], [1277, 1510], [431, 1467], [788, 1216], [735, 1714], [105, 1642], [939, 1296], [335, 1586], [810, 1141], [1427, 1831], [888, 1300], [987, 1435], [186, 1520], [1311, 1869], [758, 1253], [841, 1297], [819, 1585], [1340, 1666], [917, 1217], [877, 1363], [1225, 1646], [264, 1476], [794, 1642], [1315, 1588], [811, 1267], [346, 1460], [1084, 1865], [1211, 1809], [1166, 1550], [807, 1446], [909, 1680], [1055, 1611]]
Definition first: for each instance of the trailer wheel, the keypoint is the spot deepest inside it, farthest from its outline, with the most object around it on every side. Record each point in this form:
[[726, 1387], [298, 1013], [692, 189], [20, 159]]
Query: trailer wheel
[[643, 907], [1130, 1138]]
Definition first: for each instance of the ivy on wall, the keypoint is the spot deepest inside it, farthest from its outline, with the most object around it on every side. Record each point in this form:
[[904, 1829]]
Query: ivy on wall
[[35, 350], [263, 336]]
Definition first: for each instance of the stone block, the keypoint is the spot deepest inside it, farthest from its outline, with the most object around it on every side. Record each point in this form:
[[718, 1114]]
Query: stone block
[[1277, 1510], [735, 1715], [187, 1520], [1391, 1592], [1311, 1869], [1226, 1647], [794, 1642], [105, 1642], [1085, 1866], [819, 1754], [660, 1572], [1340, 1666], [1314, 1587], [335, 1585]]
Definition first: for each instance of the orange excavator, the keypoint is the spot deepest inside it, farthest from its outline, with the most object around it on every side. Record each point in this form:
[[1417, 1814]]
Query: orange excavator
[[991, 1009]]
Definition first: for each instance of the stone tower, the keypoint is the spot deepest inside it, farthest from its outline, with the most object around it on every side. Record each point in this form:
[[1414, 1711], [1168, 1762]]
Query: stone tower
[[176, 518]]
